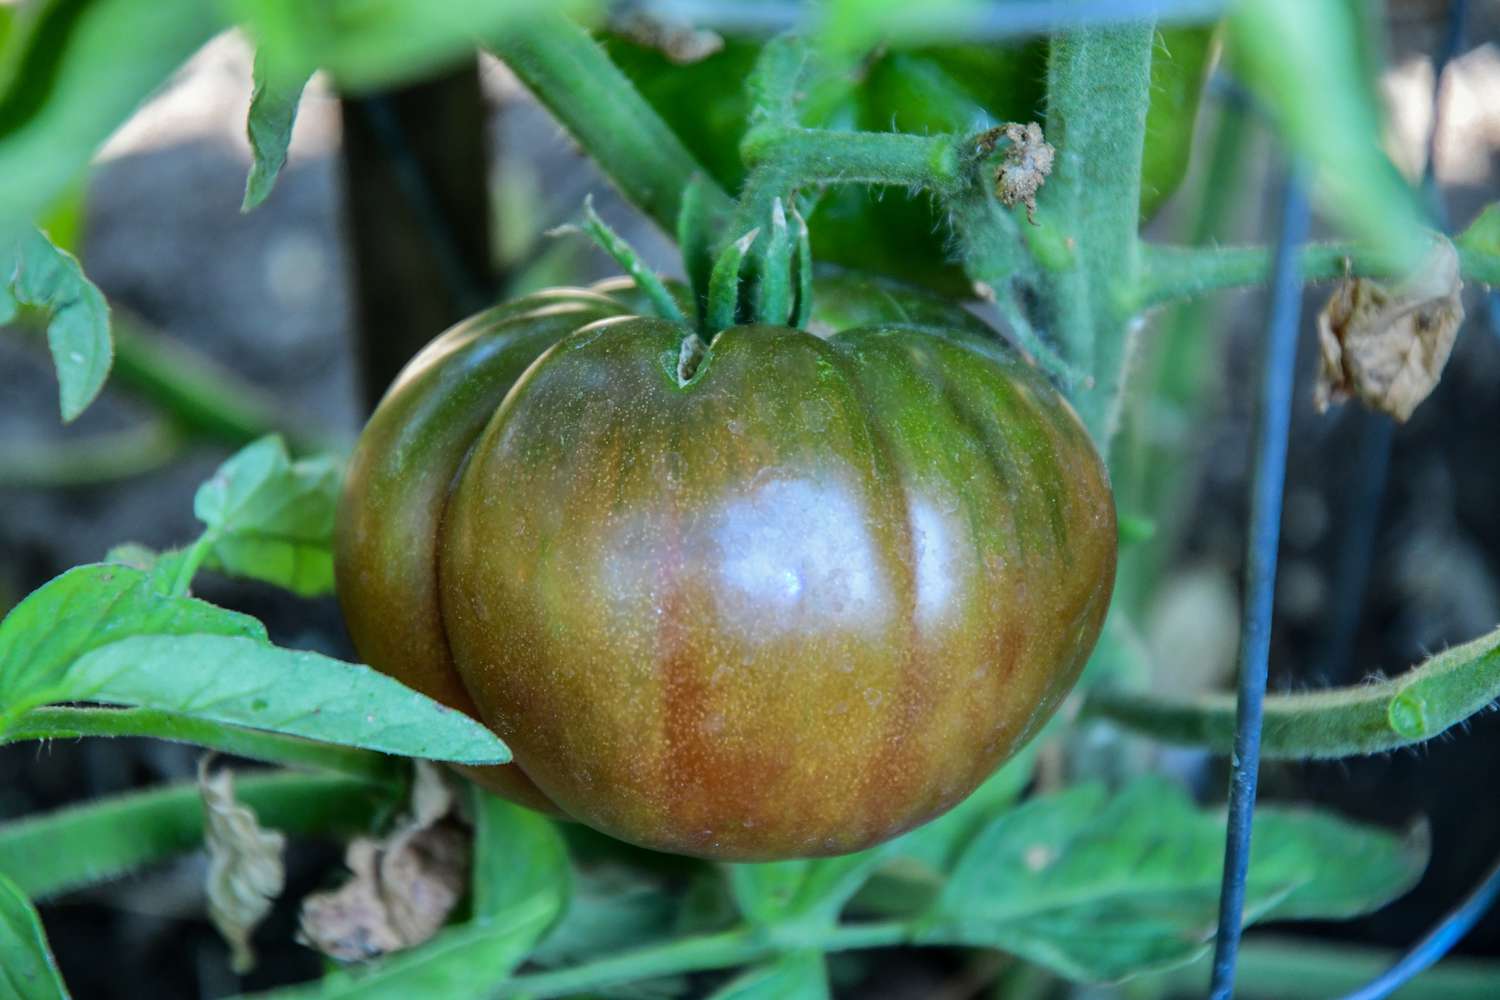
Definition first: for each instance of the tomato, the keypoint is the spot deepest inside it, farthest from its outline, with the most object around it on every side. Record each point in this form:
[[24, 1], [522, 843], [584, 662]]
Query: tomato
[[791, 602]]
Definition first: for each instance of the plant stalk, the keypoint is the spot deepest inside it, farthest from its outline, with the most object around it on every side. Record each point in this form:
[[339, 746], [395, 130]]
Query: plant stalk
[[728, 949]]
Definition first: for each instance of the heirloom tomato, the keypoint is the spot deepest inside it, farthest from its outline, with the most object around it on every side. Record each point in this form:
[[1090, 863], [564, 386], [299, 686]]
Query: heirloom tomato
[[787, 596]]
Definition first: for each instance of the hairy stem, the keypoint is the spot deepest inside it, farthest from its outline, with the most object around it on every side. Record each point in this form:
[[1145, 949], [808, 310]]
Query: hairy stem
[[1370, 718], [1171, 273], [1098, 88], [104, 838], [572, 76], [728, 949], [75, 723]]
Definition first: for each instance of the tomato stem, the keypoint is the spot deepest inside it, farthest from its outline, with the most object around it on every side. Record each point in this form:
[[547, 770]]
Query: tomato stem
[[724, 950], [1364, 719]]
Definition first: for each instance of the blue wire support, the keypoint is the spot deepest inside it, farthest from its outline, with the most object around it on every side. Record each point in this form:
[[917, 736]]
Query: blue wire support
[[1438, 942], [984, 22], [1267, 486]]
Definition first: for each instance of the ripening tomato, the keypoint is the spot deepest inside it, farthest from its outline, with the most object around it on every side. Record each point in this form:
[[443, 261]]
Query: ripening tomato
[[789, 598]]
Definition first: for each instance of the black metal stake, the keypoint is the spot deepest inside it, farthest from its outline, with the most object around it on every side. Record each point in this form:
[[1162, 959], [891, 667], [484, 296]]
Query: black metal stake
[[1267, 484]]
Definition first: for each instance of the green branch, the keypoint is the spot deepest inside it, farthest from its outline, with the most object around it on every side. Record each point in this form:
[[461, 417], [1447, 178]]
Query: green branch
[[1371, 718], [101, 458], [725, 950], [1173, 273], [75, 723], [1098, 88], [574, 78], [1170, 273], [202, 398]]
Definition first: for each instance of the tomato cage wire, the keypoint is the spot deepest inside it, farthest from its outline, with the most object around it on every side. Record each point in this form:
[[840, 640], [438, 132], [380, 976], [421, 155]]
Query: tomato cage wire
[[1005, 18]]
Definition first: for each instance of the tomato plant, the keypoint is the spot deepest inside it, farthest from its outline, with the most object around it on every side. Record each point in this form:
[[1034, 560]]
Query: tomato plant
[[757, 617]]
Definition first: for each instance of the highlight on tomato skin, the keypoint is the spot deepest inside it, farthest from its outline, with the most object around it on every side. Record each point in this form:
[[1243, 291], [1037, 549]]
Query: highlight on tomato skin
[[794, 604]]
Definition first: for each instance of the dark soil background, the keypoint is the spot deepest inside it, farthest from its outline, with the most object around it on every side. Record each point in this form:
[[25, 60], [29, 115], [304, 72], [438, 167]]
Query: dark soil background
[[1391, 547]]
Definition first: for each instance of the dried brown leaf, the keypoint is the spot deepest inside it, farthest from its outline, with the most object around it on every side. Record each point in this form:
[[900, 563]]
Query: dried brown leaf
[[1026, 167], [679, 41], [403, 886], [1388, 345], [245, 868]]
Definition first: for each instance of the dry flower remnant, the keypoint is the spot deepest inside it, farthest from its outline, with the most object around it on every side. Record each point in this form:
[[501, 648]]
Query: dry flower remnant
[[403, 886], [1387, 345], [245, 869], [1027, 164]]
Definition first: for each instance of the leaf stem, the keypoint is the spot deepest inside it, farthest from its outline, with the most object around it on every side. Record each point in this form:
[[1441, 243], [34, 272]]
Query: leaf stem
[[575, 79], [723, 950], [1369, 718], [201, 398], [74, 723]]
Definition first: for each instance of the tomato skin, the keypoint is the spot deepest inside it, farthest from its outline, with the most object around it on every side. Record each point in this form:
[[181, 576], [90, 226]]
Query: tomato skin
[[794, 607]]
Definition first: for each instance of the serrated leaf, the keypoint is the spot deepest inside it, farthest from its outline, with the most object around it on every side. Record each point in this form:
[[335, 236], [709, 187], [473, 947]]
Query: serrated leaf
[[366, 44], [1483, 233], [811, 891], [246, 682], [45, 277], [1097, 888], [270, 518], [27, 969], [609, 910], [273, 111], [799, 975], [1479, 246], [102, 839], [70, 73], [518, 854], [88, 607]]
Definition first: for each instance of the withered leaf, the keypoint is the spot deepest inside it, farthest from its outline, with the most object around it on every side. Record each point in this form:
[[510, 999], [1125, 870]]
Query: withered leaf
[[245, 868], [1027, 164], [678, 40], [1387, 345], [403, 886]]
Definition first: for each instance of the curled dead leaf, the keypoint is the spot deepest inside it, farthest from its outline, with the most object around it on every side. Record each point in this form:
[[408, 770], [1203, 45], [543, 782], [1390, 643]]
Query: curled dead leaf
[[403, 886], [1387, 345], [679, 41], [245, 868]]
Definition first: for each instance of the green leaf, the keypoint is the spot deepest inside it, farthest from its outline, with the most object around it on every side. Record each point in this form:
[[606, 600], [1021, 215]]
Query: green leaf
[[518, 855], [1099, 888], [807, 893], [765, 893], [86, 608], [366, 44], [1479, 246], [39, 274], [270, 518], [1302, 59], [1180, 63], [610, 909], [799, 975], [71, 723], [70, 73], [246, 682], [273, 112], [27, 969], [105, 838], [467, 961]]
